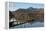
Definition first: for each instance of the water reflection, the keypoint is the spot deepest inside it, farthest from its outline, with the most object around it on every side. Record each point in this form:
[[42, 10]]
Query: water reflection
[[29, 25]]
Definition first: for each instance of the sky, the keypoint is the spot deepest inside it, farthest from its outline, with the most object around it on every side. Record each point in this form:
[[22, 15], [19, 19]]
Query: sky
[[16, 5]]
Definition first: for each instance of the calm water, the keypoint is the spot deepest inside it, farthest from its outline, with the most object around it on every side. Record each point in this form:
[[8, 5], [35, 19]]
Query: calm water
[[29, 25]]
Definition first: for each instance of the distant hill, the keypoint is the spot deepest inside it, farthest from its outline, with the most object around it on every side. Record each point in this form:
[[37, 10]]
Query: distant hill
[[28, 10], [28, 14]]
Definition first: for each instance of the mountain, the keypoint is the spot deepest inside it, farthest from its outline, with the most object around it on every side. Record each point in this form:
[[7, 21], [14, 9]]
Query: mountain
[[28, 10], [29, 14], [25, 10]]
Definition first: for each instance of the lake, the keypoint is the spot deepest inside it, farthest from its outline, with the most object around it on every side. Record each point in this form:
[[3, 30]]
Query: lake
[[29, 25]]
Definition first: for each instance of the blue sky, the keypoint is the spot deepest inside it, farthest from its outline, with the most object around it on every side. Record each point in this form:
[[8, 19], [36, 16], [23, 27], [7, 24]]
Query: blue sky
[[14, 5]]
